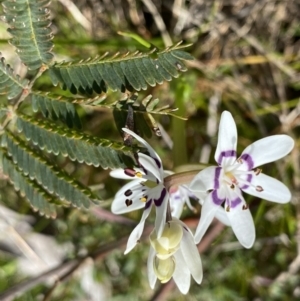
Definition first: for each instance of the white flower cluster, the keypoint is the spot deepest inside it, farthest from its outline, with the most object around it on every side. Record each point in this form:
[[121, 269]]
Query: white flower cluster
[[173, 250]]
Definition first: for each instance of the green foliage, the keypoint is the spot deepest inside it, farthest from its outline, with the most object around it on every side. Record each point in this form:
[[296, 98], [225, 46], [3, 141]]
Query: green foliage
[[76, 145], [132, 71], [55, 107], [38, 179], [10, 84], [38, 197], [29, 22], [48, 176], [139, 114]]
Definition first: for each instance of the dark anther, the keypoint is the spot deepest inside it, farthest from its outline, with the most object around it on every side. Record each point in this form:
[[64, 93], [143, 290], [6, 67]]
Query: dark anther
[[245, 207], [128, 192], [129, 172]]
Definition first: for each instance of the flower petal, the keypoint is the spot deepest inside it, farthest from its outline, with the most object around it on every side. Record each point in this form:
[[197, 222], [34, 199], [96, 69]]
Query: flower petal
[[204, 180], [267, 150], [137, 231], [191, 255], [242, 223], [177, 202], [208, 212], [150, 271], [221, 215], [273, 190], [151, 151], [161, 210], [150, 165], [120, 174], [227, 140], [119, 205], [181, 275]]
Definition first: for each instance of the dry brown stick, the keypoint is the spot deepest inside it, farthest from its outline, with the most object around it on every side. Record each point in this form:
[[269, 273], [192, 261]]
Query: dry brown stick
[[259, 47], [159, 22]]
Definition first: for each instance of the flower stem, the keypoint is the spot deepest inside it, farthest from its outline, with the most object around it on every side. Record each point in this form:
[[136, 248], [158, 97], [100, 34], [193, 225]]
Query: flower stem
[[179, 178]]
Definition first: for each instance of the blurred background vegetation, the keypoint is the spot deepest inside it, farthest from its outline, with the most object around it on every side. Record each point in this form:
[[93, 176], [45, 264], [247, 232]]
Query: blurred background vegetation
[[247, 61]]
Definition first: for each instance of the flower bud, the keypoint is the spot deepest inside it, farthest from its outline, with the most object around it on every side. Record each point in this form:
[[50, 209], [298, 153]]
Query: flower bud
[[164, 268], [169, 242]]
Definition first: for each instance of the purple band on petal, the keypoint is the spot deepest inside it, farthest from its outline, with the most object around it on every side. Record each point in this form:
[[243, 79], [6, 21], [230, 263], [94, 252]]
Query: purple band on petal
[[248, 159], [216, 178], [234, 202], [157, 162], [249, 178], [226, 154], [216, 199], [148, 204], [159, 201]]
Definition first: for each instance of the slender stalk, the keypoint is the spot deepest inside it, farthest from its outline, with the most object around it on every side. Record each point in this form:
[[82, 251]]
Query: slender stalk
[[179, 178]]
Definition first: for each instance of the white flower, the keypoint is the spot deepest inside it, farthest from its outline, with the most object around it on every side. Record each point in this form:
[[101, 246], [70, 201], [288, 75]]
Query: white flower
[[145, 190], [179, 196], [174, 254], [226, 182]]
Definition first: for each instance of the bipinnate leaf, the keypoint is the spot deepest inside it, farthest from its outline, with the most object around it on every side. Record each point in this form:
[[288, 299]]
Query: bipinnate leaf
[[76, 145], [39, 199], [132, 71], [48, 176], [10, 83], [29, 24], [56, 107]]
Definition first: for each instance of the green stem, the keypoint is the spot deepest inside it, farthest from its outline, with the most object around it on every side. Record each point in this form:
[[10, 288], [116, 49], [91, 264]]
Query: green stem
[[178, 126]]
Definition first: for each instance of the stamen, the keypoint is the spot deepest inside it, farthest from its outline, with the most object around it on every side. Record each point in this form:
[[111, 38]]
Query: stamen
[[129, 172], [245, 207], [232, 186], [128, 202], [143, 199], [227, 208], [257, 171], [239, 160], [139, 174], [128, 192], [259, 188]]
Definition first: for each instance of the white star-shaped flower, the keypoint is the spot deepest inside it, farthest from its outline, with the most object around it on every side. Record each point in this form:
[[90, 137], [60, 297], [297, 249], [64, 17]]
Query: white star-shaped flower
[[144, 191], [225, 182]]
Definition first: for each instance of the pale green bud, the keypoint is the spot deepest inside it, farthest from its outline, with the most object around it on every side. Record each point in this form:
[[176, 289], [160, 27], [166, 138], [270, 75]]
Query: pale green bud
[[164, 268], [169, 242]]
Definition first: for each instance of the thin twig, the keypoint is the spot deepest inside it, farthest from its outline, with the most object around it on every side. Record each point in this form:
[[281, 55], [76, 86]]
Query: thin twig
[[159, 22]]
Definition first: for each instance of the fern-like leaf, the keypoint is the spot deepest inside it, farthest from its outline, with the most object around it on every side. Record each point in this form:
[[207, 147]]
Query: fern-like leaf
[[50, 177], [56, 107], [132, 71], [77, 146], [142, 111], [29, 22], [10, 83], [38, 198]]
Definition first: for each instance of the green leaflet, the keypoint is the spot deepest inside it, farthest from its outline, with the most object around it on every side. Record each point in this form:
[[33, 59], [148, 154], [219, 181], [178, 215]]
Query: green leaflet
[[10, 84], [132, 71], [48, 176], [141, 111], [38, 198], [56, 108], [29, 25], [74, 144]]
